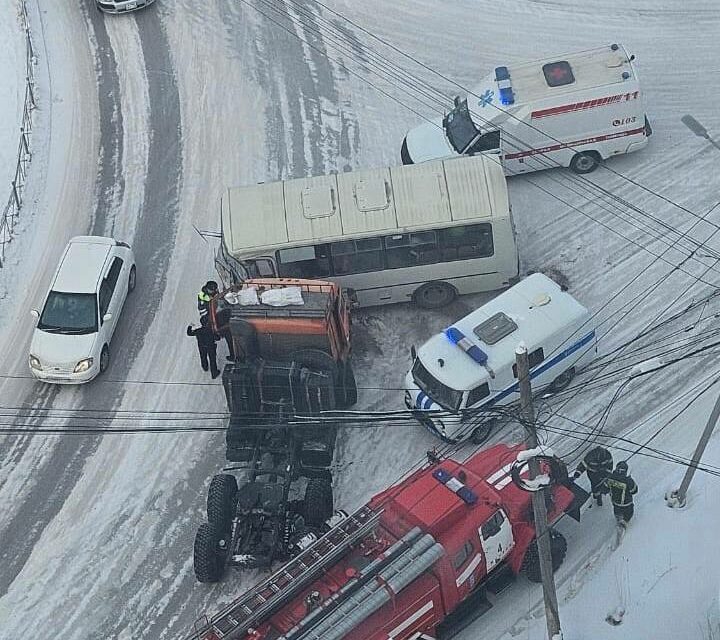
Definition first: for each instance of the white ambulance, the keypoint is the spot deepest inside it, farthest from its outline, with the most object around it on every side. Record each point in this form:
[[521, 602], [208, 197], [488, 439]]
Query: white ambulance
[[572, 111], [471, 364]]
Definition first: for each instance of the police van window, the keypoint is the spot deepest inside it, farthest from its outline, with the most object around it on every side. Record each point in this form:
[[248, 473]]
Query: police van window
[[558, 74], [461, 557], [357, 256], [411, 249], [303, 262], [477, 394], [534, 359], [465, 242]]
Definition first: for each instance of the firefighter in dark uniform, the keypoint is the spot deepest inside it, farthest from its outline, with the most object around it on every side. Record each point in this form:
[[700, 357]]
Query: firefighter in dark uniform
[[206, 339], [622, 489], [206, 294], [598, 463]]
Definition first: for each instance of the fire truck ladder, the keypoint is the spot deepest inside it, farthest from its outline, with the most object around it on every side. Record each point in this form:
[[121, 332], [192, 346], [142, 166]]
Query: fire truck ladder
[[255, 606]]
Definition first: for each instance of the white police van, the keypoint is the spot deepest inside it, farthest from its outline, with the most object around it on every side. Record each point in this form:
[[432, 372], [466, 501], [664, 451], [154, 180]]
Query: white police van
[[471, 364], [573, 111]]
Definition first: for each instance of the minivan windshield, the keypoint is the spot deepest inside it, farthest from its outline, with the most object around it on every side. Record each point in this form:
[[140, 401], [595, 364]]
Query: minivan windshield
[[446, 397], [459, 127], [73, 313]]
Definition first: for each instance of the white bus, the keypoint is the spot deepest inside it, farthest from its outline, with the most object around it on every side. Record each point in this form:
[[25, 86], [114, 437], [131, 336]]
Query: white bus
[[572, 111], [471, 364], [424, 233]]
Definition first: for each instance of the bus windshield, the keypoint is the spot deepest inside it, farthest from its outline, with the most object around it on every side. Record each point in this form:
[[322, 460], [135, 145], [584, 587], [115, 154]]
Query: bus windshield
[[459, 127], [446, 397]]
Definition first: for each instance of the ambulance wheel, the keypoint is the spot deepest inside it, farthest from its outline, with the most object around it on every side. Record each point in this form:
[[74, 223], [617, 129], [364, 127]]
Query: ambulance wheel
[[562, 381], [482, 433], [531, 561], [208, 557], [318, 501], [434, 295], [221, 501], [585, 162]]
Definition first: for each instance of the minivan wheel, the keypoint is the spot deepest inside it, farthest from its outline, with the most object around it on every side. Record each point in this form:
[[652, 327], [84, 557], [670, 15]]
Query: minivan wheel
[[585, 162], [132, 279], [104, 359], [434, 295]]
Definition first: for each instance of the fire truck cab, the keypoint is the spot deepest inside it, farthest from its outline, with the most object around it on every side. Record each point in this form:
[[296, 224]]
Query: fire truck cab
[[415, 562]]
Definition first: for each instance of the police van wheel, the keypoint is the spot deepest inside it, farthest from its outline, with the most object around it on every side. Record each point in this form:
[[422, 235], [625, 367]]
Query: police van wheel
[[585, 162], [482, 433], [562, 381], [434, 295]]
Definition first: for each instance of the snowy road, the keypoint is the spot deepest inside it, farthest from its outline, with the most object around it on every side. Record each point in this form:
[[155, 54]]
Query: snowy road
[[149, 116]]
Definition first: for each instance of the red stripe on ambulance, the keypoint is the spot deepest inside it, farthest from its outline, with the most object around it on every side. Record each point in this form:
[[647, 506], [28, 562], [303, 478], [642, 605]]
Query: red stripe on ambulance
[[587, 104]]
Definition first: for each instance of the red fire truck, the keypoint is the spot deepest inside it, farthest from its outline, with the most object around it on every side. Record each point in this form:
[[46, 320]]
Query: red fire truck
[[414, 563]]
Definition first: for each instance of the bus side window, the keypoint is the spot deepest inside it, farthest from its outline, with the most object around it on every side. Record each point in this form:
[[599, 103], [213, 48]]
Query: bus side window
[[411, 249], [469, 241], [303, 262], [357, 256]]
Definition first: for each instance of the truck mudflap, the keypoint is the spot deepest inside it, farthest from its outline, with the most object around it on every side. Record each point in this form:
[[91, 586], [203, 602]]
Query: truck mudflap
[[580, 498]]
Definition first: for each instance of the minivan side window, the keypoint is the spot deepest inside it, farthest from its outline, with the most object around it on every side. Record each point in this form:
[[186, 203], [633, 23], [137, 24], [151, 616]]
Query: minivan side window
[[534, 359]]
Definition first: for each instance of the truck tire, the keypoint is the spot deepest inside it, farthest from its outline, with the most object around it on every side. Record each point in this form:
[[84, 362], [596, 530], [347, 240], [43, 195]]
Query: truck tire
[[531, 561], [221, 501], [208, 559], [349, 387], [562, 381], [434, 295], [318, 502], [585, 162]]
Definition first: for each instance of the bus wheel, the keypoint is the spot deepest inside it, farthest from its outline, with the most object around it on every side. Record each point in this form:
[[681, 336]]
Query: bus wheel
[[585, 162], [434, 295]]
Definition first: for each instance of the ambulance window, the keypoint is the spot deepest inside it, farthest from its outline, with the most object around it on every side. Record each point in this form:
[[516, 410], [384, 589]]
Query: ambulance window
[[534, 359], [558, 73], [460, 558], [477, 394]]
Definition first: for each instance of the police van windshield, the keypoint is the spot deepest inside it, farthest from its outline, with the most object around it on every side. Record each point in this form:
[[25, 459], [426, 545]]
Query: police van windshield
[[446, 397], [459, 127]]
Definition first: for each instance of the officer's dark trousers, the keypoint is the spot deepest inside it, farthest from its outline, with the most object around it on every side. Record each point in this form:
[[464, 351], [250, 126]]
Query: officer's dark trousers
[[624, 513], [208, 356], [596, 483]]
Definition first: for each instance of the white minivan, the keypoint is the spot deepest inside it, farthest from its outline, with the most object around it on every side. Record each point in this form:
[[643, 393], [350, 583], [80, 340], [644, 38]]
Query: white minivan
[[471, 364], [71, 342]]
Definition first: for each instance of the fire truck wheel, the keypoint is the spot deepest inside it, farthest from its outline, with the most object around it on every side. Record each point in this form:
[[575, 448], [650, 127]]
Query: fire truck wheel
[[434, 295], [585, 162], [318, 501], [562, 381], [208, 558], [531, 562], [221, 501], [349, 387]]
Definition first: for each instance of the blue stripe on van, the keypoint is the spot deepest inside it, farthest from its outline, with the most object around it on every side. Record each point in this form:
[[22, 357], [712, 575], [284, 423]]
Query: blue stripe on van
[[419, 399], [548, 364]]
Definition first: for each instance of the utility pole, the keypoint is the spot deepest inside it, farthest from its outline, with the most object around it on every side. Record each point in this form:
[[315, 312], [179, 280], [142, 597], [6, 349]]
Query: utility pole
[[552, 616], [677, 499]]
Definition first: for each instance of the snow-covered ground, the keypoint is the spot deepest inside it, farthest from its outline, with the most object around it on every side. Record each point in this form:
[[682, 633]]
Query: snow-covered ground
[[145, 118]]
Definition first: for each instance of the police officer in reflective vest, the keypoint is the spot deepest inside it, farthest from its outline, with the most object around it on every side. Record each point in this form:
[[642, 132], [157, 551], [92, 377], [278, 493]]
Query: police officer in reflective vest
[[598, 463], [622, 489], [206, 294]]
